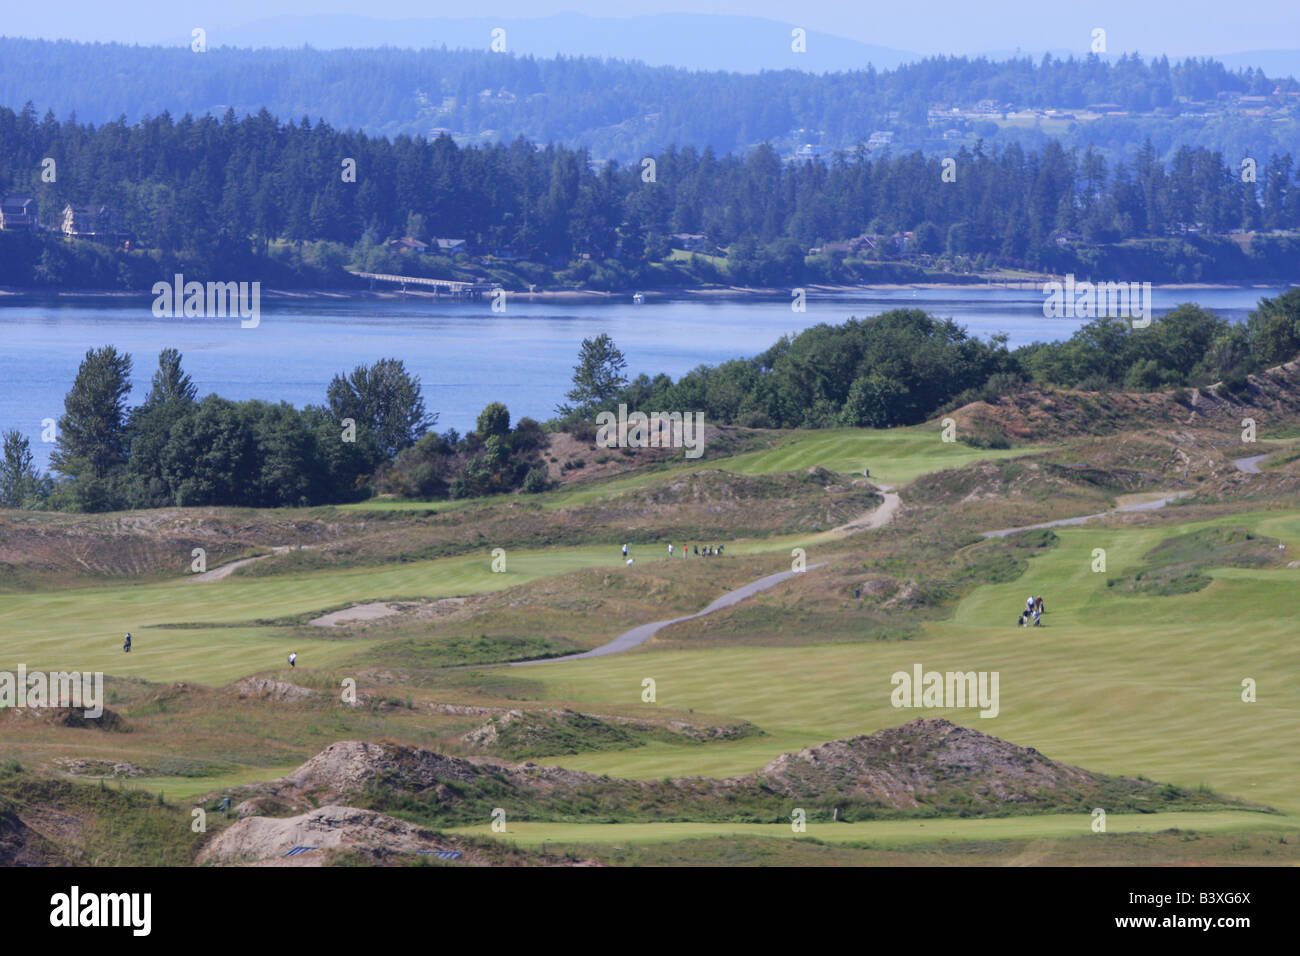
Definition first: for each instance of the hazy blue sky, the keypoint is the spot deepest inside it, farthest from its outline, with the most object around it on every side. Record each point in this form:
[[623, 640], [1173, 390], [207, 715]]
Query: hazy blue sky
[[1177, 27]]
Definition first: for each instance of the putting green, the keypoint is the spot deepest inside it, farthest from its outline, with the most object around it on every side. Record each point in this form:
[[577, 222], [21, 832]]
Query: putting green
[[895, 456]]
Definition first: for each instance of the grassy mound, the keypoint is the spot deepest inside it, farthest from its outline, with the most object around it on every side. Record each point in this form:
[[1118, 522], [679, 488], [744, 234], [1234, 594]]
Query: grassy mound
[[517, 734], [926, 768]]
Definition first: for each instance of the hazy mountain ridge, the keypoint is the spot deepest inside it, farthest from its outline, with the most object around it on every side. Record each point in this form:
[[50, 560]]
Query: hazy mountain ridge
[[684, 40], [624, 111]]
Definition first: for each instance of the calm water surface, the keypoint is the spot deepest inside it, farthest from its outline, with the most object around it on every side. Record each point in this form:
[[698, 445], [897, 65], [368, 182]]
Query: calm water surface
[[465, 354]]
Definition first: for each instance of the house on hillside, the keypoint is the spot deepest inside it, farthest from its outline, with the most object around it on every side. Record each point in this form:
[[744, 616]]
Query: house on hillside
[[449, 247], [19, 212], [95, 222], [827, 248], [690, 241], [881, 137], [858, 245], [407, 244]]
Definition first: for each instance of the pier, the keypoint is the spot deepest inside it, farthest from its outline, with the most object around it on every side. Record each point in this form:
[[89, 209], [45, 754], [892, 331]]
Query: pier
[[452, 287]]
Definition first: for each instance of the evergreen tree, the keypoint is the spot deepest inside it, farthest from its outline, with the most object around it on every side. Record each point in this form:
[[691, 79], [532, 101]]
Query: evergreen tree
[[92, 431], [170, 382], [597, 378], [19, 480]]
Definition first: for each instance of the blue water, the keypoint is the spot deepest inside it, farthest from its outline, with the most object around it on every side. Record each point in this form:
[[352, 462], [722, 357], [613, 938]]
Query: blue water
[[465, 354]]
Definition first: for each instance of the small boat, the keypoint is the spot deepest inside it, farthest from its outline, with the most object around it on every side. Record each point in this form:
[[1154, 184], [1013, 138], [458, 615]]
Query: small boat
[[638, 298]]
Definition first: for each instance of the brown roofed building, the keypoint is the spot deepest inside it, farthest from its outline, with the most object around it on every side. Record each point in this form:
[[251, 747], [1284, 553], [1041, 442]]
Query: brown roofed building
[[407, 244]]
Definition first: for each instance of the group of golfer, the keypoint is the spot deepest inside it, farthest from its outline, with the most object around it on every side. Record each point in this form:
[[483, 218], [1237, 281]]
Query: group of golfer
[[709, 551], [1032, 613]]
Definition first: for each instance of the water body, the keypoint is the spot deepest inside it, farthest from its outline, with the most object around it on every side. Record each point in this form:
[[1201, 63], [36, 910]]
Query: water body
[[465, 354]]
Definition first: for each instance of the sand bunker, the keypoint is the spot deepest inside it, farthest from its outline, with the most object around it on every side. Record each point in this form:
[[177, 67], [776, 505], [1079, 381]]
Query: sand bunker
[[359, 612]]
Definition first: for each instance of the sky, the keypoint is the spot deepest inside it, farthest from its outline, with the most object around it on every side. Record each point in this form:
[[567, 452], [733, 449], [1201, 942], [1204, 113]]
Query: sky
[[1173, 27]]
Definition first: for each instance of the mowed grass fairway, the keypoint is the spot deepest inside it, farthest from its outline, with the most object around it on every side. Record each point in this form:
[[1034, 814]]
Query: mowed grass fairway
[[1126, 685], [887, 833], [82, 629], [1115, 683]]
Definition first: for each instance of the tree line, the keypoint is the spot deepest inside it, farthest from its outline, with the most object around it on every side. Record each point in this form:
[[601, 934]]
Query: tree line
[[254, 198], [371, 435], [904, 366], [374, 436]]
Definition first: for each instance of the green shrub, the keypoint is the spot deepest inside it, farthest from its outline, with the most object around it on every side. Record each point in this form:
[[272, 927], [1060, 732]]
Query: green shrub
[[537, 480]]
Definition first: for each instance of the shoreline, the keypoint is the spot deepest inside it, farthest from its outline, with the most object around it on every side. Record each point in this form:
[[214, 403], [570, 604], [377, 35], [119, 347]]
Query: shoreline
[[650, 295]]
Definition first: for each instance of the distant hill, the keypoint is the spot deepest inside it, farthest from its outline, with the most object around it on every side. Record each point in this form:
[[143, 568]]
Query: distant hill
[[687, 40], [626, 110]]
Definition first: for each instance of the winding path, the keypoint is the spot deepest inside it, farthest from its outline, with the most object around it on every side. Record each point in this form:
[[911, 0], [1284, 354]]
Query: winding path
[[1062, 522], [639, 635], [226, 570], [1248, 465], [877, 518]]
